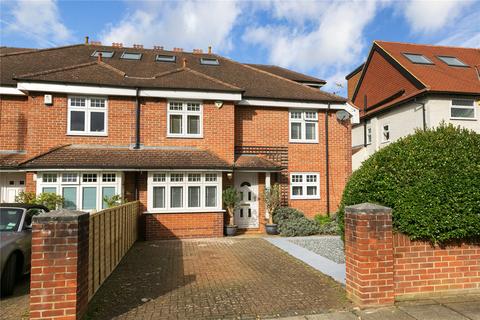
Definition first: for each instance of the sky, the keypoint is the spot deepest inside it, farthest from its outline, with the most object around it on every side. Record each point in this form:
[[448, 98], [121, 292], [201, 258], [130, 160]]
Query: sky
[[326, 39]]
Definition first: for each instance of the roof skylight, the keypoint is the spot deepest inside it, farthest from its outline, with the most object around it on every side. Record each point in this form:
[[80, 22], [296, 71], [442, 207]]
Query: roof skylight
[[417, 58], [209, 61], [452, 61], [131, 55], [165, 58], [105, 54]]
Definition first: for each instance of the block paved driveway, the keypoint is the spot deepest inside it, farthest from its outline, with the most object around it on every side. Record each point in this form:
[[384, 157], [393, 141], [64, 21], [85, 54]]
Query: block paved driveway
[[214, 279]]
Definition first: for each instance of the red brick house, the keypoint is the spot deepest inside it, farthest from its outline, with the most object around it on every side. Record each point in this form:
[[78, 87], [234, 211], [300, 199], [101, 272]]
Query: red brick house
[[169, 128]]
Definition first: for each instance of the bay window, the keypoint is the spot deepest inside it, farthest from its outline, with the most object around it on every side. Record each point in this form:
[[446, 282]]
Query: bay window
[[184, 119], [184, 191], [303, 126], [87, 116], [304, 186]]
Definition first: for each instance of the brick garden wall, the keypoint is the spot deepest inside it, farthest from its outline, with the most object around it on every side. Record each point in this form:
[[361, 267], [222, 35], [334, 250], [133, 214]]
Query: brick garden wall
[[383, 266], [183, 225]]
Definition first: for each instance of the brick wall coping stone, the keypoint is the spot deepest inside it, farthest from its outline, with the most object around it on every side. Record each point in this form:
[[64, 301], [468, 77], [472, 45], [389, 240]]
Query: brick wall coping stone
[[367, 208], [183, 212], [61, 216]]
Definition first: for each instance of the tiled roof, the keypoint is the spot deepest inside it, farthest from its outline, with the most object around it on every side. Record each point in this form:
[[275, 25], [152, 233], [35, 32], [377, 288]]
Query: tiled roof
[[289, 74], [5, 50], [108, 157], [254, 162], [74, 64], [11, 160]]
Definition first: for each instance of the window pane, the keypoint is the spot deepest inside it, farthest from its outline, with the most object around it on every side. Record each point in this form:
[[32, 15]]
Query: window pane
[[211, 177], [97, 103], [97, 121], [109, 177], [69, 177], [77, 121], [193, 124], [49, 190], [175, 123], [69, 198], [176, 177], [89, 198], [193, 197], [297, 191], [176, 197], [311, 191], [297, 178], [158, 177], [296, 129], [107, 192], [89, 177], [49, 177], [194, 177], [210, 196], [311, 178], [159, 197], [295, 115], [418, 58], [77, 102], [310, 133], [463, 113], [462, 102]]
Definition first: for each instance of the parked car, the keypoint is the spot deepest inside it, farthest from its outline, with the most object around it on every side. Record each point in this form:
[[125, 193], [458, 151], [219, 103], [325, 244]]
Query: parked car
[[15, 242]]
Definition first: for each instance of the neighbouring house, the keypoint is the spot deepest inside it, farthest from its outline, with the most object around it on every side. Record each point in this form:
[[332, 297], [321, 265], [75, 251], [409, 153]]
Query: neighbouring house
[[171, 129], [402, 87]]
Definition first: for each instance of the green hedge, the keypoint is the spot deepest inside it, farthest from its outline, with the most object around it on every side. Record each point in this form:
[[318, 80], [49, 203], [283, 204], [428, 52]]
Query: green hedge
[[293, 223], [430, 179]]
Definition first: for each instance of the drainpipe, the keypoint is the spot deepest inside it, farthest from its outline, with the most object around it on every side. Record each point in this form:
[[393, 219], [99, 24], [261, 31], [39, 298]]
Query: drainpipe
[[327, 161], [137, 121], [424, 118]]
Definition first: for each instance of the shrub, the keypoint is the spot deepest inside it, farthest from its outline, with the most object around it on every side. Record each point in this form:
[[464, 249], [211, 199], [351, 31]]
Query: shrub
[[430, 179], [231, 199], [293, 223], [327, 224], [272, 200], [50, 200], [321, 219], [113, 201]]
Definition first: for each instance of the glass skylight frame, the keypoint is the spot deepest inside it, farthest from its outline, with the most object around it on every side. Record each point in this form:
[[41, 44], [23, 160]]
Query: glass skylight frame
[[105, 53], [460, 62], [209, 61], [165, 58], [426, 61], [125, 53]]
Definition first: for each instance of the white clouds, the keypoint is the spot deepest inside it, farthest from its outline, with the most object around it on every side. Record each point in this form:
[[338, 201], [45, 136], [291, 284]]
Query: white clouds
[[465, 34], [186, 24], [38, 20], [429, 16]]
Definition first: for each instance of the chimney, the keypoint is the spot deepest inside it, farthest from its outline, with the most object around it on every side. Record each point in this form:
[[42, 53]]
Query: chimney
[[209, 49], [86, 39], [157, 47], [138, 46], [184, 62], [117, 44], [197, 51], [99, 57], [178, 49]]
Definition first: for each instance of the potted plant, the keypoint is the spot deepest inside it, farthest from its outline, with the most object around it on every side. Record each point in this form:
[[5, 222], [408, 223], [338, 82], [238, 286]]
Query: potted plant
[[272, 202], [230, 200]]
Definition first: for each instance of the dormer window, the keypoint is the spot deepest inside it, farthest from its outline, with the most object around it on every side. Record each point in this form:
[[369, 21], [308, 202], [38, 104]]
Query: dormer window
[[165, 58], [105, 54], [417, 58], [209, 61], [131, 55], [452, 61]]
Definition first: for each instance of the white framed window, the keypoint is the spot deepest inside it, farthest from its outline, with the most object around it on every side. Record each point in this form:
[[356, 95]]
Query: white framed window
[[184, 119], [303, 126], [81, 190], [304, 185], [184, 192], [369, 135], [386, 133], [463, 109], [87, 116]]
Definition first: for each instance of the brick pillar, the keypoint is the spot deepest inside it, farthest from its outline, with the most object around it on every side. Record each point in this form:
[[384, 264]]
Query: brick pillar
[[369, 255], [59, 275]]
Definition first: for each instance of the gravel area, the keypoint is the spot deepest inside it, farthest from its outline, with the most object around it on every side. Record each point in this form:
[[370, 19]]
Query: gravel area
[[330, 247]]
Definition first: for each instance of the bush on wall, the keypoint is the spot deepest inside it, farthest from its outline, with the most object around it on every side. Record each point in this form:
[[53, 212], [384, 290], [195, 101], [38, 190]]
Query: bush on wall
[[430, 179]]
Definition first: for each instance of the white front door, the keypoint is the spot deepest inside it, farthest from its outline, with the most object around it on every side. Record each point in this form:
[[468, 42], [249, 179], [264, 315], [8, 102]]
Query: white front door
[[11, 184], [246, 215]]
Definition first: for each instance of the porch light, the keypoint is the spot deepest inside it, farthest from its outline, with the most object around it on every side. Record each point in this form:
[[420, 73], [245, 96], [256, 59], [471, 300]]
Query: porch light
[[229, 175]]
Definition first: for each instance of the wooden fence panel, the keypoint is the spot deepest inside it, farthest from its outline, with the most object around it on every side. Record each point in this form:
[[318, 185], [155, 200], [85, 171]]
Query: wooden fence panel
[[113, 231]]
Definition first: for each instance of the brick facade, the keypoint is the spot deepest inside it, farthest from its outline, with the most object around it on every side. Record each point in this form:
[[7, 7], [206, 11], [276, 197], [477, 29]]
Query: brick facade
[[383, 266], [183, 225]]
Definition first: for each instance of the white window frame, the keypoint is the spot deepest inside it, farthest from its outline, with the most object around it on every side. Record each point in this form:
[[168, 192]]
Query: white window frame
[[303, 125], [304, 184], [167, 184], [79, 184], [389, 133], [452, 106], [369, 135], [87, 109], [185, 113]]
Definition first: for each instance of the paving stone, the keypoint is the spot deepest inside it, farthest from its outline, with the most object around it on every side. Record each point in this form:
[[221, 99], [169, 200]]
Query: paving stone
[[415, 302], [468, 309], [389, 313], [345, 315], [458, 298], [432, 312]]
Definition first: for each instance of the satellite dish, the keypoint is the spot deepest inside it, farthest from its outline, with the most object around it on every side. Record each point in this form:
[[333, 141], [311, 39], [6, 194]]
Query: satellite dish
[[342, 115]]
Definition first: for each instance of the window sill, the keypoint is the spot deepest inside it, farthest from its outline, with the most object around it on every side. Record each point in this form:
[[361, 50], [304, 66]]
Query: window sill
[[305, 198], [186, 211], [83, 134], [302, 142], [463, 119], [184, 137]]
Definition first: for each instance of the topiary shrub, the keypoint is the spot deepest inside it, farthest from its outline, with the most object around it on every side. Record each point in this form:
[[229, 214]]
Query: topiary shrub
[[430, 179], [293, 223]]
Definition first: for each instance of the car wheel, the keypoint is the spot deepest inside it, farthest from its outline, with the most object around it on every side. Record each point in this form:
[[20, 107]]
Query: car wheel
[[9, 276]]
